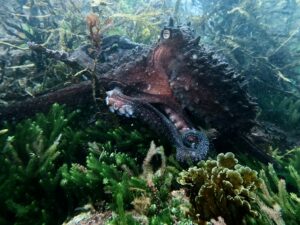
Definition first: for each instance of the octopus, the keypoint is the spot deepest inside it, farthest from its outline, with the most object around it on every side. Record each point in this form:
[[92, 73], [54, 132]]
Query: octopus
[[178, 86]]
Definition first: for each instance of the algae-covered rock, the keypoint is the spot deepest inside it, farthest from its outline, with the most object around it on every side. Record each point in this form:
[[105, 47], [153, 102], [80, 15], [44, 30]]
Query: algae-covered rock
[[90, 218], [221, 187]]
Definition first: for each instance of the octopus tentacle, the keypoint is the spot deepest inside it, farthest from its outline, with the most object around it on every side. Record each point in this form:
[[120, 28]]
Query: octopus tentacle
[[196, 140], [131, 107]]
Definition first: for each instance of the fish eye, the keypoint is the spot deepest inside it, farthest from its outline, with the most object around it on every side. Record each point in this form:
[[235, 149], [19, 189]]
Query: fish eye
[[166, 34]]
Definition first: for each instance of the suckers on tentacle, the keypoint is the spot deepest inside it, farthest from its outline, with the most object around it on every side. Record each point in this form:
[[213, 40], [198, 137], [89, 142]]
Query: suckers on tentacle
[[191, 145]]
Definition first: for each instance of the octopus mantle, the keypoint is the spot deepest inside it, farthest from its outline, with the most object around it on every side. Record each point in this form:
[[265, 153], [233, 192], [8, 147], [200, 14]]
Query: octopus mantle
[[178, 87]]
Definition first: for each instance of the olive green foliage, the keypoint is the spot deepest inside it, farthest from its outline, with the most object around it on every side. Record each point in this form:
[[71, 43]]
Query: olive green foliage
[[289, 162], [52, 164], [277, 202], [104, 174], [139, 20], [280, 192], [55, 24], [135, 198], [286, 112], [34, 158], [260, 39], [61, 25], [30, 173], [221, 187]]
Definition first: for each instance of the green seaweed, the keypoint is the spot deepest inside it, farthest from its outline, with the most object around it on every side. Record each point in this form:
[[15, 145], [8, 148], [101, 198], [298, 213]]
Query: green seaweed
[[133, 194], [287, 112], [35, 156], [30, 169], [281, 190], [52, 165]]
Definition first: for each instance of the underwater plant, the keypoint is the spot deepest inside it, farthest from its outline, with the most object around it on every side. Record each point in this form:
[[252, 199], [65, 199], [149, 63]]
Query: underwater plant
[[52, 167], [221, 187], [34, 157], [61, 164], [30, 169], [280, 191], [136, 197], [51, 23], [245, 30], [222, 191], [280, 205], [286, 112]]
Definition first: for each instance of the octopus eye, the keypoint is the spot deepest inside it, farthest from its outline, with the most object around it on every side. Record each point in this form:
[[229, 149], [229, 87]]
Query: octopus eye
[[166, 34]]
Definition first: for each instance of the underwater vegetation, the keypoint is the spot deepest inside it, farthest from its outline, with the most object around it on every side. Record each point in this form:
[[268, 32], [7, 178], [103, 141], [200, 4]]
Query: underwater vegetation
[[240, 195], [61, 25], [259, 38], [286, 112], [32, 160], [52, 168], [279, 205], [30, 169], [62, 167], [221, 184], [49, 23], [42, 180]]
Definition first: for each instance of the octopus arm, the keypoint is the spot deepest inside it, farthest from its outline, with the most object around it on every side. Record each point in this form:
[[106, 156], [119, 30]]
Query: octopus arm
[[191, 145]]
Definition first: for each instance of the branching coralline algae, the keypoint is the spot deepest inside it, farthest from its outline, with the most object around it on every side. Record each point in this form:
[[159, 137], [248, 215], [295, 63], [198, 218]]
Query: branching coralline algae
[[221, 187]]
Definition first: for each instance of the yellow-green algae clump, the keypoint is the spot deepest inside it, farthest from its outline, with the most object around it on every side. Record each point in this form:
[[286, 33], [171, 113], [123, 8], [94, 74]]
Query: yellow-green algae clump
[[221, 187]]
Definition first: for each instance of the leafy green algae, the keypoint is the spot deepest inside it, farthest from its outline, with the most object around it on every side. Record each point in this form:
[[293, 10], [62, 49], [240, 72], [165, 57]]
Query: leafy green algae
[[55, 164], [30, 169], [35, 157], [52, 165], [280, 191]]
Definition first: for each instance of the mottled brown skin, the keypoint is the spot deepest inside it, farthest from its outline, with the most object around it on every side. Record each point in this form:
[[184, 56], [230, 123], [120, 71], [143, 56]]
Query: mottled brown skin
[[177, 87], [180, 77]]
